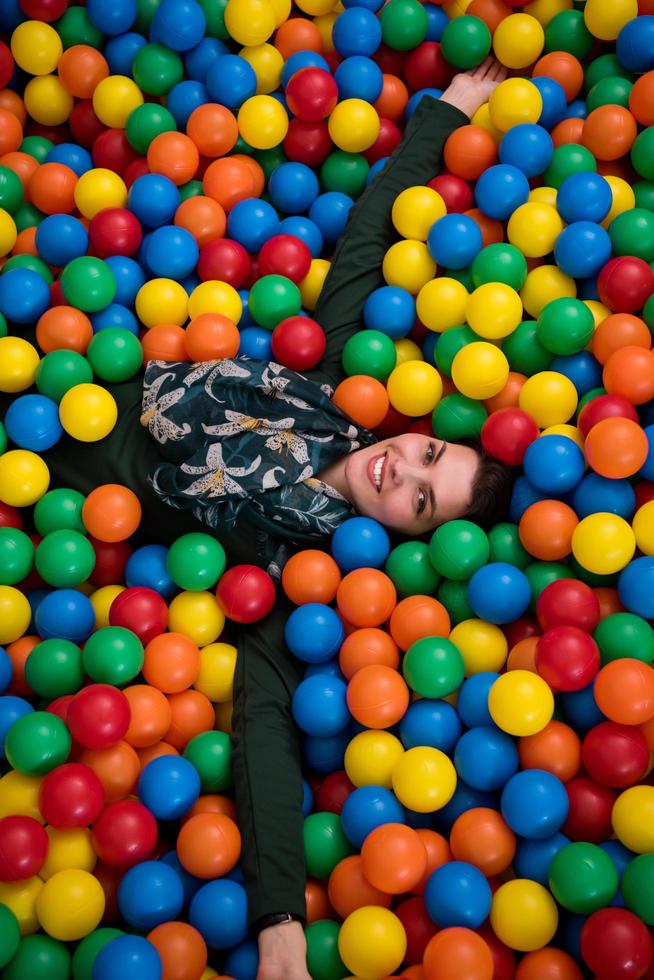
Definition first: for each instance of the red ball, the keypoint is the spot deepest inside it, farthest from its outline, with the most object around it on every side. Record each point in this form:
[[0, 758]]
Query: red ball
[[568, 602], [644, 493], [110, 879], [426, 67], [521, 629], [567, 658], [388, 138], [615, 755], [245, 593], [625, 283], [10, 516], [98, 716], [333, 792], [110, 560], [141, 610], [115, 231], [112, 150], [137, 168], [71, 796], [589, 816], [418, 926], [285, 255], [46, 10], [311, 94], [390, 61], [124, 834], [503, 958], [507, 434], [226, 260], [6, 65], [298, 342], [23, 847], [393, 424], [84, 125], [60, 706], [616, 945], [456, 193], [307, 142], [605, 407]]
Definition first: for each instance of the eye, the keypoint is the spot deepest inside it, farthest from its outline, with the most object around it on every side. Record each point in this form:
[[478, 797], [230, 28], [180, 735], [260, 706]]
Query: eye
[[430, 454], [422, 501]]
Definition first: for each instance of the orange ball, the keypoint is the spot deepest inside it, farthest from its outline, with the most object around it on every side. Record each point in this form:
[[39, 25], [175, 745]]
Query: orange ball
[[624, 691], [377, 696], [212, 803], [458, 954], [203, 217], [155, 752], [647, 728], [64, 328], [609, 132], [492, 12], [546, 530], [393, 99], [366, 597], [209, 845], [609, 601], [548, 963], [630, 372], [365, 647], [171, 662], [164, 342], [111, 512], [228, 181], [508, 396], [25, 243], [393, 858], [492, 230], [616, 448], [349, 889], [616, 168], [482, 837], [174, 155], [556, 749], [117, 768], [311, 576], [641, 99], [18, 652], [418, 616], [213, 129], [23, 165], [567, 131], [52, 188], [438, 853], [619, 330], [363, 398], [255, 169], [150, 715], [192, 714], [564, 68], [182, 949], [80, 69], [12, 102], [317, 902], [413, 973], [211, 336], [11, 131], [469, 151], [523, 655], [298, 34]]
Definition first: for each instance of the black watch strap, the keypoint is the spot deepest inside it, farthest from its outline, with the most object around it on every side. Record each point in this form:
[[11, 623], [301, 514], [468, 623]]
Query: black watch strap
[[275, 919]]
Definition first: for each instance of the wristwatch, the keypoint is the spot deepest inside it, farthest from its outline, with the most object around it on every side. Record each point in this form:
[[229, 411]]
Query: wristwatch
[[275, 919]]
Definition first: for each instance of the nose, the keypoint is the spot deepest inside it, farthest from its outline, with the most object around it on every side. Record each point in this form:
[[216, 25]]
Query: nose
[[401, 471]]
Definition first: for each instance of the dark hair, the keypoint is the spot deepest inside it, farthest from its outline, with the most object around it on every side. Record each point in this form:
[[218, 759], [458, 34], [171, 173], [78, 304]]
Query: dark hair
[[491, 489]]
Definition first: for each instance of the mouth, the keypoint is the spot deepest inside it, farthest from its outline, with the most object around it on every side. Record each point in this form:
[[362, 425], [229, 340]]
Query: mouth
[[377, 471]]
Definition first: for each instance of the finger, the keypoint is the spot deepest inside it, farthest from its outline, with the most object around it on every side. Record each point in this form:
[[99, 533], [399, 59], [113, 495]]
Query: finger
[[499, 72], [486, 66]]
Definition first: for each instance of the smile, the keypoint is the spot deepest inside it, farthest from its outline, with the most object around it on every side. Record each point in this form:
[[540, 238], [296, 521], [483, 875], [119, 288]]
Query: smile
[[377, 470]]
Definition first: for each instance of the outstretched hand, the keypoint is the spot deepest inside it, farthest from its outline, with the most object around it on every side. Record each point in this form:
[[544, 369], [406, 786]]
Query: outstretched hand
[[470, 90]]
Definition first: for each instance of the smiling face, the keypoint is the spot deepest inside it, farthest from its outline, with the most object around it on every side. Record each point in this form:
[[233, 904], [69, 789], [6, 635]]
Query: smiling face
[[411, 483]]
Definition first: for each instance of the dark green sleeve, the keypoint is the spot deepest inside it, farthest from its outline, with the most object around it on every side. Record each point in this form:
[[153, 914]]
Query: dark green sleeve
[[356, 267]]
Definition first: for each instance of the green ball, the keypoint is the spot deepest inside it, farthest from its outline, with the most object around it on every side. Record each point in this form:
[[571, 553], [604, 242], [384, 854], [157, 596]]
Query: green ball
[[369, 352], [591, 578], [88, 284], [272, 299], [565, 326], [61, 370], [115, 354], [54, 667], [642, 153], [541, 574], [85, 954], [145, 123], [39, 957], [524, 351], [240, 146], [588, 397], [9, 935], [65, 558], [146, 9], [465, 42], [193, 188], [632, 233], [625, 634], [325, 844], [11, 190], [27, 216], [210, 753], [648, 313], [433, 667], [31, 262], [644, 192], [269, 160], [37, 743], [464, 276], [3, 433], [16, 555], [113, 655], [195, 561], [571, 158], [458, 417], [582, 878], [344, 172], [638, 887], [458, 549], [499, 263], [606, 66], [156, 69], [567, 32], [323, 959], [505, 546], [609, 91], [3, 326], [75, 27], [404, 24], [409, 568], [214, 11], [37, 147], [454, 596], [449, 344]]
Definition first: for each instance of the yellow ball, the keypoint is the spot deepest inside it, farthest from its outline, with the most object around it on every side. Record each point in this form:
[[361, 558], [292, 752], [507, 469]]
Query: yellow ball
[[623, 198], [114, 98], [47, 101], [315, 8], [217, 666], [424, 779], [162, 301], [282, 9], [415, 210], [15, 612], [599, 311], [101, 601], [494, 310], [311, 285], [21, 897], [371, 757], [442, 303], [24, 477], [70, 905], [408, 264], [98, 189], [564, 429], [325, 25], [521, 703], [18, 363], [36, 47], [214, 296], [223, 714], [196, 615], [267, 63], [544, 284], [456, 8], [414, 388], [534, 229], [633, 819], [8, 232], [518, 40], [543, 195], [68, 849], [549, 397], [262, 122], [19, 793], [480, 370], [643, 526], [603, 543], [523, 915], [482, 118], [545, 10], [406, 350], [250, 21], [372, 942], [353, 125], [88, 412], [515, 101], [606, 20], [482, 645]]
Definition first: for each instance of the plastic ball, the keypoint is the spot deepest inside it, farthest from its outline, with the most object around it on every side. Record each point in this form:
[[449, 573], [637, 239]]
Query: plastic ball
[[24, 477], [480, 370], [414, 388], [70, 904], [485, 758], [372, 942], [465, 42], [499, 592], [131, 957], [494, 310], [614, 942], [515, 101], [458, 894], [534, 229], [520, 703], [523, 915], [424, 779]]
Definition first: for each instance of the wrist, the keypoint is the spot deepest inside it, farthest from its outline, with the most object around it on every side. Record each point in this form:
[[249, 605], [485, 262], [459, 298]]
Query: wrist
[[275, 919]]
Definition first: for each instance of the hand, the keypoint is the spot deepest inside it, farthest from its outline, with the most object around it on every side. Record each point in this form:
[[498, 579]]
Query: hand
[[470, 90], [283, 953]]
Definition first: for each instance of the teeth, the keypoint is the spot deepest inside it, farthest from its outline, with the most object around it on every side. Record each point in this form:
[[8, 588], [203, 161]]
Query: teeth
[[377, 471]]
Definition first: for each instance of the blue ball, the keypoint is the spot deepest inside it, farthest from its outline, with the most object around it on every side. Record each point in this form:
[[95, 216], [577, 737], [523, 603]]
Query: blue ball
[[219, 911], [457, 894], [390, 309], [252, 222], [179, 24], [647, 469], [577, 109], [485, 758], [554, 99], [128, 957], [325, 755], [330, 212], [184, 98], [60, 238], [320, 707], [6, 674], [129, 278], [10, 15], [314, 632], [65, 613], [584, 196], [203, 56], [533, 857], [465, 798], [528, 147], [472, 700], [417, 97], [330, 668], [499, 593], [190, 883], [32, 422], [303, 59], [581, 368], [580, 708], [554, 464], [150, 893], [582, 249], [172, 252], [433, 723], [11, 709], [112, 18], [154, 199], [293, 187], [429, 347], [307, 799], [599, 495], [121, 51], [534, 804], [304, 229], [115, 315], [437, 21], [146, 566], [169, 786], [359, 77], [24, 295], [360, 542], [622, 858], [357, 31], [636, 587], [376, 168], [242, 963], [454, 240], [523, 496], [500, 190], [367, 808], [73, 156], [231, 80], [256, 342], [635, 44]]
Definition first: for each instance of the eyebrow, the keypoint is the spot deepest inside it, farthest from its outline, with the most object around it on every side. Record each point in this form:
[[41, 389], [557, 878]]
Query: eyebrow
[[432, 497]]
